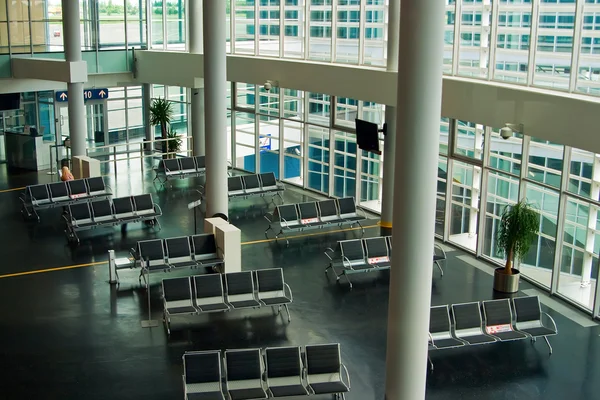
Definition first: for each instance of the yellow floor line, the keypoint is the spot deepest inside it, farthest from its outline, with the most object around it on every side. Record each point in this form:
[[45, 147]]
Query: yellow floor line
[[92, 264], [12, 190], [39, 271]]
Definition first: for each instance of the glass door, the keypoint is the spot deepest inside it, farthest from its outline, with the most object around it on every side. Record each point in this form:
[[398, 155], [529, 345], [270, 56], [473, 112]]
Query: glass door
[[97, 134]]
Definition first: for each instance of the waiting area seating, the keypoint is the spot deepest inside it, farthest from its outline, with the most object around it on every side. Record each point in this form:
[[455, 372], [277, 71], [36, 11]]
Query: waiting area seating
[[106, 213], [177, 252], [245, 186], [179, 168], [314, 215], [62, 194], [368, 255], [224, 292], [265, 373], [503, 320]]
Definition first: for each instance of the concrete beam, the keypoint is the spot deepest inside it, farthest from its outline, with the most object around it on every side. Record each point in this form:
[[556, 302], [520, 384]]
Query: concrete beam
[[49, 69]]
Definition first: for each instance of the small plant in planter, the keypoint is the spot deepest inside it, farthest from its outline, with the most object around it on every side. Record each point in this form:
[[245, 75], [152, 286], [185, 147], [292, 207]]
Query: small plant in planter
[[174, 143], [517, 230]]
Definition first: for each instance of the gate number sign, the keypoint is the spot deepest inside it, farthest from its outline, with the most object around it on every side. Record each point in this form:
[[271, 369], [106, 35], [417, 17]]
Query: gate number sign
[[62, 96]]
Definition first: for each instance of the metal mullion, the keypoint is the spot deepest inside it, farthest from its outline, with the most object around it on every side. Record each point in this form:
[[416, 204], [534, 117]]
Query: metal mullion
[[148, 24], [126, 48], [448, 204], [30, 27], [333, 31], [306, 16], [499, 171], [361, 36], [281, 138], [281, 29], [165, 27], [483, 189], [256, 28], [126, 113], [456, 47], [256, 127], [596, 305], [560, 219], [575, 50], [493, 39], [533, 40], [330, 189]]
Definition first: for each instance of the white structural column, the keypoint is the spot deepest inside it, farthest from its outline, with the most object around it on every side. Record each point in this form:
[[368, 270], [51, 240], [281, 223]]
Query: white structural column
[[215, 92], [415, 178], [197, 100], [389, 143], [72, 38]]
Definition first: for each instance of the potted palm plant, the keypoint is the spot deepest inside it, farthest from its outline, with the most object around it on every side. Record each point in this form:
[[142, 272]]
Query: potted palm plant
[[517, 230], [161, 112], [174, 143]]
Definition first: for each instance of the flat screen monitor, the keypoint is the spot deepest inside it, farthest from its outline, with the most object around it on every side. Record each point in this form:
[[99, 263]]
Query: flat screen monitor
[[367, 136], [10, 101]]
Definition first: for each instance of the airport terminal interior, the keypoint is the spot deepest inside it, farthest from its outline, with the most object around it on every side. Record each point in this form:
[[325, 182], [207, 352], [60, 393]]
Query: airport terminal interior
[[87, 310]]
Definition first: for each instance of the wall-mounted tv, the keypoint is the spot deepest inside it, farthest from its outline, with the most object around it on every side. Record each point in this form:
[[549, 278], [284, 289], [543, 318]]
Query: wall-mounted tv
[[367, 136], [10, 101]]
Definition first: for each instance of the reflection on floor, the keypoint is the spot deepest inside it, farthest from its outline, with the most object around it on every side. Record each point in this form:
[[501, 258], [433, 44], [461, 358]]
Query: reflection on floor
[[465, 240], [69, 334]]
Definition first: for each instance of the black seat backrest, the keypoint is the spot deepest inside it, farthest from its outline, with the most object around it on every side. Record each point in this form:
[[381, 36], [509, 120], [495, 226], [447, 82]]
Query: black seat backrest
[[77, 187], [209, 285], [283, 362], [187, 163], [58, 189], [96, 184], [287, 212], [389, 239], [323, 359], [38, 192], [269, 280], [527, 308], [172, 165], [101, 208], [308, 210], [243, 364], [200, 162], [268, 179], [328, 208], [347, 205], [80, 211], [376, 247], [151, 249], [178, 247], [439, 319], [251, 181], [234, 183], [352, 249], [204, 244], [239, 283], [497, 312], [176, 289], [202, 367], [466, 315], [143, 202], [123, 205]]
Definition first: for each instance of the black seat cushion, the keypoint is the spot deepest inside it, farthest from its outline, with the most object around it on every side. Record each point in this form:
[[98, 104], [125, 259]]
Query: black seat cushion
[[282, 391], [206, 396], [243, 394], [329, 387], [512, 335], [182, 310], [540, 331], [244, 304], [478, 339], [276, 300], [445, 343], [213, 307]]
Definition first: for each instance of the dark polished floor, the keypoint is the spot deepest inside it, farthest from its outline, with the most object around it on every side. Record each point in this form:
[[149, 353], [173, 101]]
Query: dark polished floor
[[68, 334]]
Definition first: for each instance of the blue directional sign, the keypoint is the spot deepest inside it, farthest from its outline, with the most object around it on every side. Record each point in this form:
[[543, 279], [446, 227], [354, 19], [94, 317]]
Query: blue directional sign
[[88, 94]]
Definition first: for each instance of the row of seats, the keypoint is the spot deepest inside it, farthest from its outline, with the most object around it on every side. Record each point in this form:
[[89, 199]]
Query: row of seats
[[183, 167], [37, 197], [254, 185], [264, 373], [184, 251], [459, 325], [368, 255], [206, 293], [314, 214], [117, 211]]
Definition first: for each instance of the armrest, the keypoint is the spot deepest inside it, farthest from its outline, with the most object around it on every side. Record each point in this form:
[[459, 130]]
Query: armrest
[[343, 367], [431, 338], [284, 222], [437, 246], [344, 258], [326, 252], [285, 285], [157, 209], [220, 253], [551, 320], [108, 189], [267, 218], [364, 214]]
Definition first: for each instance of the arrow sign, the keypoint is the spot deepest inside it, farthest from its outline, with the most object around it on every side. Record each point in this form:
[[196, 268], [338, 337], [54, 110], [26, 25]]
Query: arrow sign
[[88, 94]]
